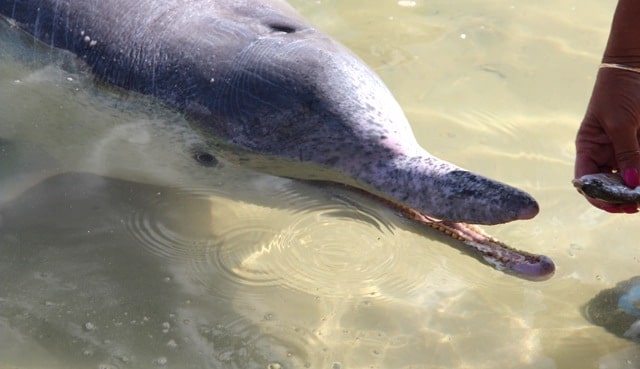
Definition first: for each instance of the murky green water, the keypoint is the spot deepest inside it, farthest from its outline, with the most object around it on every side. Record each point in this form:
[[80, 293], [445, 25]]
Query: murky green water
[[143, 258]]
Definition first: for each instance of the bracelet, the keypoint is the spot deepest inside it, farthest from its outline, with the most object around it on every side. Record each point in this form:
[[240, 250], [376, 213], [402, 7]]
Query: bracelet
[[620, 66]]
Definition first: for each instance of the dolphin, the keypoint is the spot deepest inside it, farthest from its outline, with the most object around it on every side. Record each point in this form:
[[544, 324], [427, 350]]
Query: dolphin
[[254, 76]]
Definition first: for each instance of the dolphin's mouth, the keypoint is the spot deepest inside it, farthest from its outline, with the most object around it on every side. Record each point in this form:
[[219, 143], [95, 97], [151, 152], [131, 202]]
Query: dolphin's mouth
[[505, 258], [471, 238], [478, 243]]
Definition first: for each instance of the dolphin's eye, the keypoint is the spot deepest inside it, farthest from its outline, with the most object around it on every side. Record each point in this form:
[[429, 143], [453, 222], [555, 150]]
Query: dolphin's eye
[[205, 159], [282, 28]]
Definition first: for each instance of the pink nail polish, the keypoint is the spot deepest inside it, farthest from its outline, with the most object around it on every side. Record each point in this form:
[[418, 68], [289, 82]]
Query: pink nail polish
[[631, 178]]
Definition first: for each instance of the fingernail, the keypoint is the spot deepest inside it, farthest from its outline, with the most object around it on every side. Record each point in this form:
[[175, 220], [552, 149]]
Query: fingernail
[[631, 178]]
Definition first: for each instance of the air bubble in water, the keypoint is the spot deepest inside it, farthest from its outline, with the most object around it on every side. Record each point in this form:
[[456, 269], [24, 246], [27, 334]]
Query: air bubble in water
[[160, 361]]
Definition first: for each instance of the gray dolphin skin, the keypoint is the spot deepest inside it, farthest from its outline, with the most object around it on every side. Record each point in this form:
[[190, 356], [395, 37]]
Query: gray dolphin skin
[[254, 75]]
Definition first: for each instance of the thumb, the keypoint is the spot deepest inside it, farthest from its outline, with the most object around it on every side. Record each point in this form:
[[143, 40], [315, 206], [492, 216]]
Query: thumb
[[627, 152]]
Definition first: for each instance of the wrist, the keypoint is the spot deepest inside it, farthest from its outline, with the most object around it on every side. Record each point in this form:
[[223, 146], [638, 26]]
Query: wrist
[[623, 46]]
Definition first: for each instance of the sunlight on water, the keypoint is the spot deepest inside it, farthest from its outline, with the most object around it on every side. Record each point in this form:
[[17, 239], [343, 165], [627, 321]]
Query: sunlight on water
[[119, 250], [305, 250]]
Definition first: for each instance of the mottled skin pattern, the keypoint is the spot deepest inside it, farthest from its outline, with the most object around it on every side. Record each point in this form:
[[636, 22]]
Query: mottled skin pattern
[[254, 74]]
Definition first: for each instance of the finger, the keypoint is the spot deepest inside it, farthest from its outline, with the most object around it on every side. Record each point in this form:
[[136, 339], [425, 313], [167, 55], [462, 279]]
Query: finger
[[628, 159], [594, 150], [631, 177], [585, 164], [624, 138], [593, 157], [628, 208]]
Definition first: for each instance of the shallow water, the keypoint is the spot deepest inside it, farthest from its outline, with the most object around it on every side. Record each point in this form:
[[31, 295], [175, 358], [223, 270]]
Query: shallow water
[[118, 250]]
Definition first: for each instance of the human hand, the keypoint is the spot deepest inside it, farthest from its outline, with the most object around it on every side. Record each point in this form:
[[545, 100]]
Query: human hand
[[608, 138]]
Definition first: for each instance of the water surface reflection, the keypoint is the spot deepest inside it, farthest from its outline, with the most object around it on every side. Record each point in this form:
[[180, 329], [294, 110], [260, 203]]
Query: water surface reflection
[[93, 281], [118, 250]]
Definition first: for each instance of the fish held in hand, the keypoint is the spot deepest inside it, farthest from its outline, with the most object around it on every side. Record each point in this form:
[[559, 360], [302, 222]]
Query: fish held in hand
[[608, 187]]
